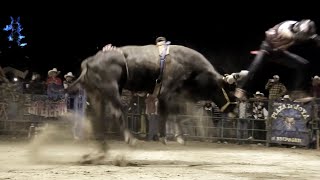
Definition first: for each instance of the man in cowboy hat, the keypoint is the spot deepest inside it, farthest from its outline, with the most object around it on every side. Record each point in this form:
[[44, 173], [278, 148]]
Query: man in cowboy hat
[[259, 109], [76, 103], [68, 80], [52, 77], [244, 114], [54, 83], [70, 95]]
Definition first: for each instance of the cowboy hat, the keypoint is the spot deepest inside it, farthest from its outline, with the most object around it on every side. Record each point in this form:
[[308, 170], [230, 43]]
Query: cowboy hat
[[54, 70], [69, 74], [258, 93], [159, 39], [316, 77], [276, 77], [287, 97]]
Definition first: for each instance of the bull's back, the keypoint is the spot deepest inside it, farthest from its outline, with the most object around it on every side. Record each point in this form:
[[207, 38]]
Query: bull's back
[[148, 56], [143, 63]]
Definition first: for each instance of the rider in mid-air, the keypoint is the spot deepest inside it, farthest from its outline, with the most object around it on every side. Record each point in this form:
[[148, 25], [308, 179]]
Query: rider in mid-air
[[277, 40]]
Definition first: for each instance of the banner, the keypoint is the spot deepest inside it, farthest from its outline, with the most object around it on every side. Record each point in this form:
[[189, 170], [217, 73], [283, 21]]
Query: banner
[[41, 105], [289, 123]]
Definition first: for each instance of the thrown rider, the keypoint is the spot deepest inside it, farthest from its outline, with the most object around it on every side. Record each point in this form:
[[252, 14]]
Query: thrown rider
[[277, 41]]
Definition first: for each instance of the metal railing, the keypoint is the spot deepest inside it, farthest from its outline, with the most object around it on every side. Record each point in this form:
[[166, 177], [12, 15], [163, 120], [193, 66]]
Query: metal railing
[[287, 123]]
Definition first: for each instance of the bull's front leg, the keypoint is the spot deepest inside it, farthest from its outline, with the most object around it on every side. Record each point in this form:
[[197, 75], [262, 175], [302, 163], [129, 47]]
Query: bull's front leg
[[164, 114]]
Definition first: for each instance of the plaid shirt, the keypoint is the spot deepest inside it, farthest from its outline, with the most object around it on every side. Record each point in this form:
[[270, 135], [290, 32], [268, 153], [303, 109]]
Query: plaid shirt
[[276, 90]]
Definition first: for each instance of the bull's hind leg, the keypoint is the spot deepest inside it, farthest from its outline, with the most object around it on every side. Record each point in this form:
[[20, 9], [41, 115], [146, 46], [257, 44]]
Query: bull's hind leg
[[117, 114], [98, 126], [116, 111]]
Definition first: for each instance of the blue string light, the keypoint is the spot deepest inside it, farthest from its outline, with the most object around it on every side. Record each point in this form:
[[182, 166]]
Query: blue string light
[[15, 35]]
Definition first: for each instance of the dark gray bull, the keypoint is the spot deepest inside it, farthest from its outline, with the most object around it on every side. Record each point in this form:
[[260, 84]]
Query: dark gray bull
[[187, 74]]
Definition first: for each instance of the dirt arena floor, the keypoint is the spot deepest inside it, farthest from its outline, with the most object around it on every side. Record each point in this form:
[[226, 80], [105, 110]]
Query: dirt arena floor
[[152, 160]]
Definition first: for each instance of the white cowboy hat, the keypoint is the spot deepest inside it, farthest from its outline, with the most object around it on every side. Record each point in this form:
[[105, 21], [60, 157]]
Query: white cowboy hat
[[259, 93], [52, 71], [316, 77], [286, 96], [69, 74]]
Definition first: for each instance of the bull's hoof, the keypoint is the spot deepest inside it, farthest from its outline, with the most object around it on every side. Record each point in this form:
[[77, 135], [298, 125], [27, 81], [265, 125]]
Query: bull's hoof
[[163, 140], [126, 137], [180, 140], [86, 156], [133, 141], [130, 139], [92, 159]]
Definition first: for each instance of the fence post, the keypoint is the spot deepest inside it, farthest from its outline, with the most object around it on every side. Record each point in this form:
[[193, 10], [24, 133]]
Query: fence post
[[315, 122], [269, 123], [317, 140]]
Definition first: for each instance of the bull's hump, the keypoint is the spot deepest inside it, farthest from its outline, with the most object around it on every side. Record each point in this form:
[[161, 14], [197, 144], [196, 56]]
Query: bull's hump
[[141, 55], [138, 48]]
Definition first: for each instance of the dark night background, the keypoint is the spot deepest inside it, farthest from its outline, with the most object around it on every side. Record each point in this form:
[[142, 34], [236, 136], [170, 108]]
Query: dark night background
[[225, 38]]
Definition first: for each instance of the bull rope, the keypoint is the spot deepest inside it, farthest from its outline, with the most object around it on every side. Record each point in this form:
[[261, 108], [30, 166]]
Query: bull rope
[[224, 107], [163, 58]]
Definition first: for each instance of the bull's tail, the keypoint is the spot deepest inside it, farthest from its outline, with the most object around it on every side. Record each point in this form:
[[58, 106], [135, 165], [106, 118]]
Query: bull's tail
[[80, 79]]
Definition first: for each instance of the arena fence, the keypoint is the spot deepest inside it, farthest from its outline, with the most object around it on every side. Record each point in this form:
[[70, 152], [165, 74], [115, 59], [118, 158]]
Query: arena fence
[[264, 122]]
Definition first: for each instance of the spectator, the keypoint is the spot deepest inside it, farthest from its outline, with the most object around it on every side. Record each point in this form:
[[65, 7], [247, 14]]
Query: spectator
[[276, 88], [36, 86], [69, 95], [204, 119], [54, 84], [68, 80], [316, 86], [260, 113], [152, 116], [245, 112]]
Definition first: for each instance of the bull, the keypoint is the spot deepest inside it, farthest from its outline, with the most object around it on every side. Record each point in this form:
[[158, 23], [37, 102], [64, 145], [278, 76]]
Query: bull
[[186, 74]]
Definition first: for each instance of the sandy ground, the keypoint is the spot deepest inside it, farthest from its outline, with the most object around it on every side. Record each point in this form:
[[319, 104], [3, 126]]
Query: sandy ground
[[152, 160]]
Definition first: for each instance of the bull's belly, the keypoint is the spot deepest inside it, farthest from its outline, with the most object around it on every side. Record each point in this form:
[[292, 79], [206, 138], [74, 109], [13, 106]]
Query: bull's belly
[[138, 85]]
